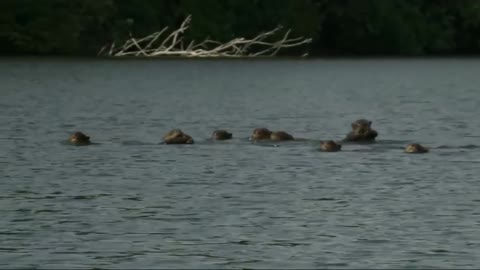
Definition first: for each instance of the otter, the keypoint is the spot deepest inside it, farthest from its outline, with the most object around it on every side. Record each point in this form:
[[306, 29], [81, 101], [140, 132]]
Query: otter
[[266, 134], [176, 136], [361, 124], [281, 136], [362, 131], [415, 148], [221, 135], [330, 146], [261, 134], [79, 138]]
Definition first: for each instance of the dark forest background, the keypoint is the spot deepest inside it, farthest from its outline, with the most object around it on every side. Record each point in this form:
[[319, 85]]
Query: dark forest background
[[338, 27]]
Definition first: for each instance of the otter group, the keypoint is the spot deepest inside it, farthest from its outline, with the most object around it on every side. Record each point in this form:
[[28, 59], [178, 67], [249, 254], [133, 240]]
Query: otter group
[[362, 132]]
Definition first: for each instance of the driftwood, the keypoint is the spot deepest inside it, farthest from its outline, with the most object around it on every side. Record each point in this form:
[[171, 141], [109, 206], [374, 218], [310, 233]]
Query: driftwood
[[161, 44]]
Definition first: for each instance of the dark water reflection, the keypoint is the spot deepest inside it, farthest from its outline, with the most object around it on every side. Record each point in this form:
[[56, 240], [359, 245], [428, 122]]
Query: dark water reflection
[[130, 202]]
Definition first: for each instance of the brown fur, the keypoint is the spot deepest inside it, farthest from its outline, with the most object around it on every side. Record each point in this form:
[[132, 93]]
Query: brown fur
[[79, 138], [221, 135], [176, 136], [280, 136], [362, 131], [330, 146], [266, 134], [415, 148], [261, 134]]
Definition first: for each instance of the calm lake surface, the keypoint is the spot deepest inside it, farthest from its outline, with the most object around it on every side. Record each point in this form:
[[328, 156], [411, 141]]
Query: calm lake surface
[[130, 202]]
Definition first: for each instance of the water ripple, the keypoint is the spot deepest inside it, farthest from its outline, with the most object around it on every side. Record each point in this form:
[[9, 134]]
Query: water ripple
[[129, 201]]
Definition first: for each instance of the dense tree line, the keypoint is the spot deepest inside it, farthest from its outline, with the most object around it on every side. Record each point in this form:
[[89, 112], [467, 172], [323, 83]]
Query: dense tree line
[[358, 27]]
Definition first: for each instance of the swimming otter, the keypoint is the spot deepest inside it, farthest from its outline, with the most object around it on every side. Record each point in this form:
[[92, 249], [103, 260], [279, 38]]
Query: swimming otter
[[221, 135], [330, 146], [79, 138], [176, 136], [280, 136], [415, 148], [361, 132], [261, 134], [266, 134], [361, 124]]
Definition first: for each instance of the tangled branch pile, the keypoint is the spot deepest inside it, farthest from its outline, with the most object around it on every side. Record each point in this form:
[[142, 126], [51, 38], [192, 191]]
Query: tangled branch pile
[[161, 44]]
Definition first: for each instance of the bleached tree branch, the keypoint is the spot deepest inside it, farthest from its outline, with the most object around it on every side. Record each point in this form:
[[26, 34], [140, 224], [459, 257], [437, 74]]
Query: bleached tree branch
[[173, 45]]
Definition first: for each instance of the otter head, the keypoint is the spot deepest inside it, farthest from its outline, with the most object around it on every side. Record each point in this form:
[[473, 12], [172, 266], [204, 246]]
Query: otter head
[[415, 148], [362, 131], [79, 138], [261, 134], [176, 136], [361, 125], [330, 146], [280, 136], [221, 135]]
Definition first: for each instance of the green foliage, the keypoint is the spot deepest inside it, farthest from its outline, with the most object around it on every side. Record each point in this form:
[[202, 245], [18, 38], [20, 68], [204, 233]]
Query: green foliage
[[406, 27], [52, 26]]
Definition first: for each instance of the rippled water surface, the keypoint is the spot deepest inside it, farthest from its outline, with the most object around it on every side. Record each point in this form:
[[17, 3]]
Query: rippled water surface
[[130, 202]]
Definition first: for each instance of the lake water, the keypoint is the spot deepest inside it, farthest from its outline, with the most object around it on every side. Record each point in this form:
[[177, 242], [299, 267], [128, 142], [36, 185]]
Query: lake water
[[130, 202]]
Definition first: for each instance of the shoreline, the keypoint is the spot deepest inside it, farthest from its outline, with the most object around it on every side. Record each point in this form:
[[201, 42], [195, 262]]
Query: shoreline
[[267, 58]]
